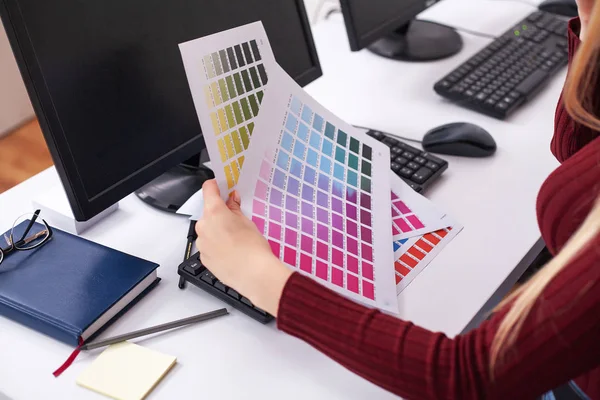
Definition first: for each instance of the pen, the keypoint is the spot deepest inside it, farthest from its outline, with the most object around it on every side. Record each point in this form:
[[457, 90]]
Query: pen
[[191, 236], [158, 328]]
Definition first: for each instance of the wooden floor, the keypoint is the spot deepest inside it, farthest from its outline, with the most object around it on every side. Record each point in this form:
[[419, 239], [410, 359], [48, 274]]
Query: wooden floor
[[23, 153]]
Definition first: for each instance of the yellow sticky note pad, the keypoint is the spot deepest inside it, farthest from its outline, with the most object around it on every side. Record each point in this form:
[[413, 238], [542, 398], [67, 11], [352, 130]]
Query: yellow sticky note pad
[[126, 371]]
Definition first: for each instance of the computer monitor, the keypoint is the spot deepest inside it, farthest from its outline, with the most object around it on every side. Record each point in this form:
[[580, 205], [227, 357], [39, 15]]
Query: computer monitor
[[389, 28], [108, 86]]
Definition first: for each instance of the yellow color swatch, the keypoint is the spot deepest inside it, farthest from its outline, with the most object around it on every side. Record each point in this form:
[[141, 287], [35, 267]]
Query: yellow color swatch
[[126, 371], [222, 121], [229, 177], [221, 145], [251, 127], [215, 123], [241, 161], [209, 100], [229, 146], [237, 142], [229, 114], [236, 171], [215, 92], [208, 66]]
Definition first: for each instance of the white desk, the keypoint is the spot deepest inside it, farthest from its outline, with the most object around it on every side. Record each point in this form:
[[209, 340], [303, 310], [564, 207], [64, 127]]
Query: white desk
[[494, 198]]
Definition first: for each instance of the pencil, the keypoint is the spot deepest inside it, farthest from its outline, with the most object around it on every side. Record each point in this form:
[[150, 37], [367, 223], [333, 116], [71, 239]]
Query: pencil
[[158, 328], [191, 237]]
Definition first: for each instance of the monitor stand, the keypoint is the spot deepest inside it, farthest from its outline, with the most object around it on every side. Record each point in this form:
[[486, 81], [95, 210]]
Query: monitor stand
[[170, 190], [419, 41]]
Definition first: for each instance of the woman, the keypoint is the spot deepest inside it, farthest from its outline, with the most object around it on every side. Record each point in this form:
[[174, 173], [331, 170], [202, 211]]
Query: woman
[[545, 336]]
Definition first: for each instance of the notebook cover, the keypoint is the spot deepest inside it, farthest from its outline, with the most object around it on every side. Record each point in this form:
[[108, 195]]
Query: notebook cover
[[62, 287]]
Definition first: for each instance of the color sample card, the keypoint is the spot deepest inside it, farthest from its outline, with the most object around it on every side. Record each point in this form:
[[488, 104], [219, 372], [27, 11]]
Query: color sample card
[[414, 254], [308, 185], [228, 73], [412, 213]]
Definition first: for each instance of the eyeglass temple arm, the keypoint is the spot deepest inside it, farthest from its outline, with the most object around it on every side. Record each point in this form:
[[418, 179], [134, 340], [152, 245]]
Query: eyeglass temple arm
[[31, 222]]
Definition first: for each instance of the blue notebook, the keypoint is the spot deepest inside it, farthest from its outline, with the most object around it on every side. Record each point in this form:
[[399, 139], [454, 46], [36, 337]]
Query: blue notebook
[[71, 288]]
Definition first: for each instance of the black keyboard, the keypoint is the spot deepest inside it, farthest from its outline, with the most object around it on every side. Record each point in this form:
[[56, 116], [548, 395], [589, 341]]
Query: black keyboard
[[512, 69], [194, 272], [417, 168]]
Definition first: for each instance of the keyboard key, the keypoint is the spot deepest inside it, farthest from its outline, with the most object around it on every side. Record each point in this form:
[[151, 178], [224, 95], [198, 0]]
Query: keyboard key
[[194, 267], [247, 302], [422, 175], [208, 278], [406, 172], [401, 160], [502, 106], [395, 167], [432, 166], [413, 186], [396, 150], [420, 160], [413, 165], [531, 83], [233, 293], [391, 142], [408, 155], [490, 102], [220, 286], [376, 134]]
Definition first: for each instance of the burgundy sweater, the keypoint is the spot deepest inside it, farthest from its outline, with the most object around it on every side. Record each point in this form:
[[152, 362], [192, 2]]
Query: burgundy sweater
[[559, 341]]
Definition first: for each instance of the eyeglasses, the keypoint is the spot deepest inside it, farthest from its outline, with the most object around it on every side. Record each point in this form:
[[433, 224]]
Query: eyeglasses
[[33, 236]]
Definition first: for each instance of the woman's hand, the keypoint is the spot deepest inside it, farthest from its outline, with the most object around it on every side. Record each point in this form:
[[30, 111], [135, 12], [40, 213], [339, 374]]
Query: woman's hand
[[584, 8], [235, 252]]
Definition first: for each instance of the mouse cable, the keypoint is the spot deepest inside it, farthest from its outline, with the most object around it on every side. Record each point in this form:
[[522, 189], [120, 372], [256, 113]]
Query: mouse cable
[[388, 134]]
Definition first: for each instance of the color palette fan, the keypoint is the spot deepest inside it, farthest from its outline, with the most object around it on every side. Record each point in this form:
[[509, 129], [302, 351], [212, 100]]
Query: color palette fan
[[314, 186], [412, 214], [413, 255], [228, 74], [310, 178]]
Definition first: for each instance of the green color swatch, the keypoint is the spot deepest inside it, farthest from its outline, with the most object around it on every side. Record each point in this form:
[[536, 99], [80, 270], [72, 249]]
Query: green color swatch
[[366, 168], [253, 104], [223, 89], [231, 87], [246, 109], [238, 112], [255, 79], [238, 83]]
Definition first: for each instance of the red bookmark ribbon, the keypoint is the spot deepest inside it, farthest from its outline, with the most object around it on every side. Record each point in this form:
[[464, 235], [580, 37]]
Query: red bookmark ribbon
[[69, 360]]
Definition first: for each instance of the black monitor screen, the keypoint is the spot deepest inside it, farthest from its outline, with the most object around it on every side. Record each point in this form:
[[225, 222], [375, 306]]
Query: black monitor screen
[[369, 20], [111, 85]]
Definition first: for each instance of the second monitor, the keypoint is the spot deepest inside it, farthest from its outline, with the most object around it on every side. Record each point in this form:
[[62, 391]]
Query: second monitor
[[389, 28]]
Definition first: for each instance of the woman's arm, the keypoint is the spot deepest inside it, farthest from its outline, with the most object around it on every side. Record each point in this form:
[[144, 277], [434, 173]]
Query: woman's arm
[[558, 341]]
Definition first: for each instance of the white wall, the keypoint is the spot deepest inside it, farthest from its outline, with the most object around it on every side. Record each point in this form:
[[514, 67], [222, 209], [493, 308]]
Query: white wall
[[15, 107]]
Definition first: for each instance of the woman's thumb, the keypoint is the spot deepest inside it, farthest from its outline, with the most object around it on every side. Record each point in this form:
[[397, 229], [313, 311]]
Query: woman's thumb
[[234, 202]]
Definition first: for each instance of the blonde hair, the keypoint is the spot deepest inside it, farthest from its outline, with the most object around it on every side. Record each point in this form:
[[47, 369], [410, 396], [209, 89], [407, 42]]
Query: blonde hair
[[581, 104]]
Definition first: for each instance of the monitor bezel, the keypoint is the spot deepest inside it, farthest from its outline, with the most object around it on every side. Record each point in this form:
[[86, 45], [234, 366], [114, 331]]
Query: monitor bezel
[[84, 207]]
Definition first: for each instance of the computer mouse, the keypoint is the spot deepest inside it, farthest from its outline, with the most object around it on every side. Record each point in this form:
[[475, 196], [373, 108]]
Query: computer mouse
[[459, 139], [567, 8]]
